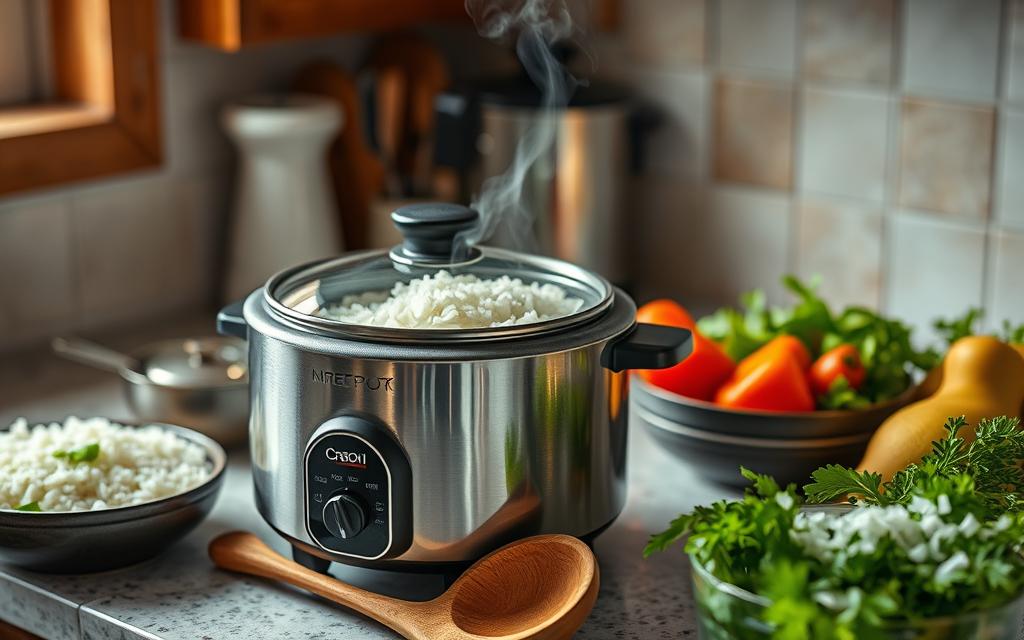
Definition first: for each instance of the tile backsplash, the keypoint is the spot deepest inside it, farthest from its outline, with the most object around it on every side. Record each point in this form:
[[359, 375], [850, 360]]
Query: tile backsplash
[[878, 144]]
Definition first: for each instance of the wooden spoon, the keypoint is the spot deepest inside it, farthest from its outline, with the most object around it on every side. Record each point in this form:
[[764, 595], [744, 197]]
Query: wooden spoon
[[541, 587]]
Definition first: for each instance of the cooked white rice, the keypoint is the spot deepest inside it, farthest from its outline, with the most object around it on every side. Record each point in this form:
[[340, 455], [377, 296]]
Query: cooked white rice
[[134, 465], [444, 301]]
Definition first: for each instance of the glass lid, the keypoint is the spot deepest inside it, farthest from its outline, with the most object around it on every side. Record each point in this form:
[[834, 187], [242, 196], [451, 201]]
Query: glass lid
[[435, 287]]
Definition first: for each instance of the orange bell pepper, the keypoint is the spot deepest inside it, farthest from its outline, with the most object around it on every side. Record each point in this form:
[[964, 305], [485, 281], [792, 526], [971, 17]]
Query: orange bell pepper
[[780, 346], [703, 371], [699, 375], [665, 312], [770, 384]]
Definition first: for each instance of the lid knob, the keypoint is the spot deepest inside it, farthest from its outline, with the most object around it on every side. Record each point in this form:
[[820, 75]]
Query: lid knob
[[430, 229]]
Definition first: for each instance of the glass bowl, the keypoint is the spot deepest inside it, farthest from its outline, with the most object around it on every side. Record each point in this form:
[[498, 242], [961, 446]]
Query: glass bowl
[[728, 612]]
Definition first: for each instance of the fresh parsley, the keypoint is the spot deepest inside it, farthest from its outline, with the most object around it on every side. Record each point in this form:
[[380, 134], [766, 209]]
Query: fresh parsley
[[943, 537], [28, 506], [992, 461], [85, 453]]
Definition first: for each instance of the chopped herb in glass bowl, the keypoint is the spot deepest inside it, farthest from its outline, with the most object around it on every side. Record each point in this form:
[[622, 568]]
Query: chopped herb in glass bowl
[[934, 553]]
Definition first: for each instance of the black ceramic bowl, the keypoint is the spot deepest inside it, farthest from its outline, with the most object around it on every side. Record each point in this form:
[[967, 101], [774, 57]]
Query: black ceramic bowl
[[85, 541], [789, 446]]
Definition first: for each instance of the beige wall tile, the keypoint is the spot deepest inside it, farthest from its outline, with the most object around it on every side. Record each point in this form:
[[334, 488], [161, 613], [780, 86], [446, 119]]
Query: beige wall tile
[[1011, 168], [132, 251], [664, 33], [757, 35], [678, 144], [1014, 55], [743, 239], [946, 157], [661, 237], [1007, 289], [934, 269], [195, 142], [37, 281], [753, 133], [205, 206], [841, 241], [951, 47], [848, 40], [706, 246], [843, 143]]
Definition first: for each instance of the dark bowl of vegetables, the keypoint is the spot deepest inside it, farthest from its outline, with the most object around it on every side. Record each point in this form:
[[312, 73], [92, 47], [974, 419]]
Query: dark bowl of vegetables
[[779, 390], [786, 445], [933, 553]]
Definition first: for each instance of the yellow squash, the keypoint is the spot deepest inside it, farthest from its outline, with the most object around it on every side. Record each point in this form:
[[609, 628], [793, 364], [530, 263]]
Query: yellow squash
[[982, 377]]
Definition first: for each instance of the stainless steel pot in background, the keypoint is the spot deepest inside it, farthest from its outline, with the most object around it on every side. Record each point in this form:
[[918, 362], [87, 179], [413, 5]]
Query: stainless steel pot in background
[[576, 192]]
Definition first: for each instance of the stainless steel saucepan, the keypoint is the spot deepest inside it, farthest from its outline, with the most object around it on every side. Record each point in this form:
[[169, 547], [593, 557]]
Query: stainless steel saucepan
[[201, 383]]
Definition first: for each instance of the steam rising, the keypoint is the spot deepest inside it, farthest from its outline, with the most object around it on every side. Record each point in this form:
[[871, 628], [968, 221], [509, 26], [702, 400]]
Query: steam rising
[[536, 25]]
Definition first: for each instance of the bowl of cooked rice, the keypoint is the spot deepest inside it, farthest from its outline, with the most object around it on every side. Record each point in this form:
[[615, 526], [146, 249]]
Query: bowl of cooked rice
[[90, 494]]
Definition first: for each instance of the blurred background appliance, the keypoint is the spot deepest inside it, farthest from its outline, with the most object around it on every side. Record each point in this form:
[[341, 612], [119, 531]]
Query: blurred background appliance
[[576, 193], [284, 210]]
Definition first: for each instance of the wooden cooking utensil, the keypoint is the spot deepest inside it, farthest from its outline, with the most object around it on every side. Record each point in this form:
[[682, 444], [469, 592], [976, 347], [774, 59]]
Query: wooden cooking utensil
[[539, 588], [356, 171], [390, 100], [427, 75]]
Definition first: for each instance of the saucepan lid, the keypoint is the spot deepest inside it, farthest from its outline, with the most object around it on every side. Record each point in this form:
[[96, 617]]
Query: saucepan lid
[[436, 286]]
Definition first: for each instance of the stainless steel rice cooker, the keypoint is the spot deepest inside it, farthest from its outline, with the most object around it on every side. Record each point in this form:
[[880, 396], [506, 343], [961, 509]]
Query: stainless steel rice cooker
[[420, 448]]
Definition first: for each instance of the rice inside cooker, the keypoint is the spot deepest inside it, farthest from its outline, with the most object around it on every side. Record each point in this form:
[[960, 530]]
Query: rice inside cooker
[[446, 301], [93, 464]]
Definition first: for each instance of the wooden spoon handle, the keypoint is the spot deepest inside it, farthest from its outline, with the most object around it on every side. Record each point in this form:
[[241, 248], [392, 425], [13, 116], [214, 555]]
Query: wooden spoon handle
[[243, 552]]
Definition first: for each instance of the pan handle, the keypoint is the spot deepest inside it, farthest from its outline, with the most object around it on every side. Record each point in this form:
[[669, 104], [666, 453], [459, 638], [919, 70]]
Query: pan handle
[[231, 321], [648, 346], [95, 355]]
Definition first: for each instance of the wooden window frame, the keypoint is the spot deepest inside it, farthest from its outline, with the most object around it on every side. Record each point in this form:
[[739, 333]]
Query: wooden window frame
[[233, 24], [105, 118]]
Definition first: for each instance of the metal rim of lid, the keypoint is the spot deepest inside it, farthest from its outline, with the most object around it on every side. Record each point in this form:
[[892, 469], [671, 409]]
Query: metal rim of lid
[[302, 280]]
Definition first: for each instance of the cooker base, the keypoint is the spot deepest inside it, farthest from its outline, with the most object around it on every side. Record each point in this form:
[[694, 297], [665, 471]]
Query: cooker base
[[311, 558], [308, 560]]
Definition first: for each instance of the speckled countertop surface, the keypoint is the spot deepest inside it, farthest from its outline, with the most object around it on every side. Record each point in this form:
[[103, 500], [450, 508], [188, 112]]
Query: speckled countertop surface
[[180, 595]]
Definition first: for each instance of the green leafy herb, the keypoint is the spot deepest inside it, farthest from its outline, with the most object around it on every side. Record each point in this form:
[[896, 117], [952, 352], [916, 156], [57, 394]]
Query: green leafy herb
[[844, 576], [951, 330], [28, 506], [992, 461], [86, 453], [1012, 334], [842, 396], [884, 345]]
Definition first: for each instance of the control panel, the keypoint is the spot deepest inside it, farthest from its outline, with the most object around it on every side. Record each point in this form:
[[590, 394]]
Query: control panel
[[358, 489]]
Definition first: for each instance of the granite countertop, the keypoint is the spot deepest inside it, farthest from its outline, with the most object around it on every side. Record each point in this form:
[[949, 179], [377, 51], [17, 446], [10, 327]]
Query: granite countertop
[[181, 595]]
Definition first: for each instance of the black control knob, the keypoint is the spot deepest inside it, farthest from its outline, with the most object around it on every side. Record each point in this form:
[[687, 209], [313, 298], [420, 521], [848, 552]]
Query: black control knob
[[345, 515]]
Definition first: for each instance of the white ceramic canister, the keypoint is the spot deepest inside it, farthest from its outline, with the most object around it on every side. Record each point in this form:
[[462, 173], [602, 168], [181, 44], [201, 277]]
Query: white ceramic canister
[[284, 212]]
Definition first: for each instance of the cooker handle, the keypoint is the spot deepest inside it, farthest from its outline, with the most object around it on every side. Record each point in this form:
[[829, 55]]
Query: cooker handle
[[231, 321], [648, 346]]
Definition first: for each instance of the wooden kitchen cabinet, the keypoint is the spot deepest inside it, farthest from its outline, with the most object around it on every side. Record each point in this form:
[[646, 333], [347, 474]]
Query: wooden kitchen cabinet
[[233, 24]]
